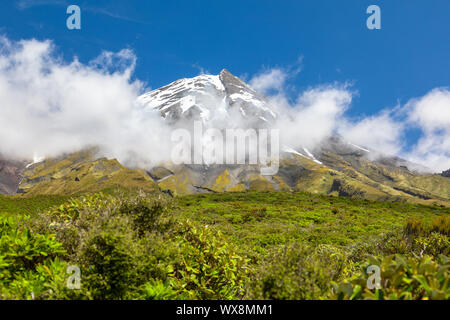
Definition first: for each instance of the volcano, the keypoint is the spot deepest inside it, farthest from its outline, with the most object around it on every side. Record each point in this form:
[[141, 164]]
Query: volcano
[[334, 166]]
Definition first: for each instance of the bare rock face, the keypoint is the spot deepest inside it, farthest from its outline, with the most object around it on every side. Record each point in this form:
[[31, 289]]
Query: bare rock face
[[446, 173], [10, 175]]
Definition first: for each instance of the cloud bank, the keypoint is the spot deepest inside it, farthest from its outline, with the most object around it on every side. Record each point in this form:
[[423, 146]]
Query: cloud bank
[[431, 114], [50, 106], [320, 112]]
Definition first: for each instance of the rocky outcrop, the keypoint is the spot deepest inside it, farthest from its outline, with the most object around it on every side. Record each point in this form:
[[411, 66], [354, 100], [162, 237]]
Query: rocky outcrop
[[10, 175]]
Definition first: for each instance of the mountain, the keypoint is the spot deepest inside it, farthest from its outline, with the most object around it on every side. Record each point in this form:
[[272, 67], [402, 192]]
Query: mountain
[[81, 172], [209, 98], [335, 166]]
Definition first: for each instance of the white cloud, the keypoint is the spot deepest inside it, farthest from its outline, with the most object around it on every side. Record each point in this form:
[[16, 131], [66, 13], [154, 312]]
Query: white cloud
[[431, 114], [320, 112], [314, 116], [380, 132], [273, 79], [49, 106]]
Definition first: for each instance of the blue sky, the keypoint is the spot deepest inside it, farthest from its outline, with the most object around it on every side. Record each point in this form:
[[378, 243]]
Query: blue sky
[[407, 58], [174, 39]]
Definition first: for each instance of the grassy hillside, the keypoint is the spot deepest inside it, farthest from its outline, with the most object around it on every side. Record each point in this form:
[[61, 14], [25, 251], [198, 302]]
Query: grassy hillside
[[261, 219], [82, 172], [13, 205], [358, 179], [349, 176]]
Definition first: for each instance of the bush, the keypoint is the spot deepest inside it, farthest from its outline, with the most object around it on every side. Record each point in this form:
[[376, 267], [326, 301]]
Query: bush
[[158, 290], [297, 271], [129, 247], [434, 245], [441, 225], [104, 235], [21, 250], [146, 213], [29, 266], [107, 260], [417, 227], [401, 279], [209, 267]]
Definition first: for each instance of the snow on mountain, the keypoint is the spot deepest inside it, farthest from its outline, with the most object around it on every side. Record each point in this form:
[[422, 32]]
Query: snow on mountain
[[313, 158], [358, 147], [308, 155], [206, 97], [36, 159]]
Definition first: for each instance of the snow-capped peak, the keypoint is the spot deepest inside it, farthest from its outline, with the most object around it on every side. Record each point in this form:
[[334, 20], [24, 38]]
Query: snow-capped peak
[[207, 97]]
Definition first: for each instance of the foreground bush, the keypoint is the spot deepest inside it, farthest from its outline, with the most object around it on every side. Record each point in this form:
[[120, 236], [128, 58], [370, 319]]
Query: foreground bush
[[137, 246], [210, 267], [127, 247], [29, 267], [400, 279], [297, 272]]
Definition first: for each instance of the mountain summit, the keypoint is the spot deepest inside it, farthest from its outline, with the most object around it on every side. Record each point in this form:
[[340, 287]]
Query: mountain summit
[[214, 98]]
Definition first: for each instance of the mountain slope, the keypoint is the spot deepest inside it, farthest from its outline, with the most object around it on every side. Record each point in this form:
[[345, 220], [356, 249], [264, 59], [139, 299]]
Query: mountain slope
[[81, 172]]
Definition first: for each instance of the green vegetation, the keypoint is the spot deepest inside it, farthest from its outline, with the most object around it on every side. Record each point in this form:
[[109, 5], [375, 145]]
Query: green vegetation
[[246, 245], [80, 173], [261, 219], [29, 205], [350, 175]]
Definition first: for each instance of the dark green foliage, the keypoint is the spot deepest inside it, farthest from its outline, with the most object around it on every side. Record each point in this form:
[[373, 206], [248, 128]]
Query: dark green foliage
[[109, 265], [103, 235], [146, 213]]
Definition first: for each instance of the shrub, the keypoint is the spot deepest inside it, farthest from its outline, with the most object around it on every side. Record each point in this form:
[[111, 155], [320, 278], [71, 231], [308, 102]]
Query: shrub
[[109, 265], [209, 267], [434, 245], [21, 250], [48, 281], [158, 290], [104, 236], [298, 272], [401, 279], [441, 225], [428, 238], [146, 213], [417, 227], [29, 266]]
